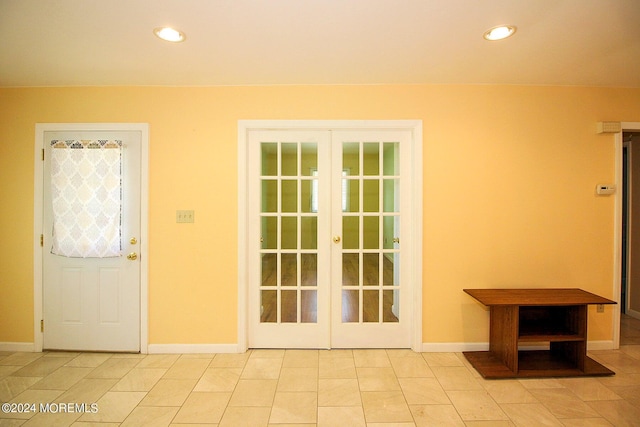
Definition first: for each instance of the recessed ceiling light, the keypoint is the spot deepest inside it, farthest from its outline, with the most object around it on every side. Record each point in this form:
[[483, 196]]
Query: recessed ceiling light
[[169, 34], [499, 33]]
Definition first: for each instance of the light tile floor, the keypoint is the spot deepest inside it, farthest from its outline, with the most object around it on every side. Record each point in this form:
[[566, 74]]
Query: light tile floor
[[372, 388]]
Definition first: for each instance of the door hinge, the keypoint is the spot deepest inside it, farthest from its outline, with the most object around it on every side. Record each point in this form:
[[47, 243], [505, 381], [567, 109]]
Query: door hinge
[[42, 325], [41, 240], [43, 154]]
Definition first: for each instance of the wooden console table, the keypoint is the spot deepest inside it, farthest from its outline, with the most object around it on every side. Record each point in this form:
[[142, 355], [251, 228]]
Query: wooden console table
[[520, 316]]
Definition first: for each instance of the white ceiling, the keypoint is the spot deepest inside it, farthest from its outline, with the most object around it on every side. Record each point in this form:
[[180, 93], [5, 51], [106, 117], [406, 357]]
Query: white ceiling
[[256, 42]]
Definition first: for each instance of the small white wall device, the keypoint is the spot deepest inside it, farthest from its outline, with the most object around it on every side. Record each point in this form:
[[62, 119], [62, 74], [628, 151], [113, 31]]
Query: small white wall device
[[605, 189], [609, 127]]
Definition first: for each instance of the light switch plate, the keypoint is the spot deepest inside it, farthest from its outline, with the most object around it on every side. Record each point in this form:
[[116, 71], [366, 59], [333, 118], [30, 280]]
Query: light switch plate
[[185, 216]]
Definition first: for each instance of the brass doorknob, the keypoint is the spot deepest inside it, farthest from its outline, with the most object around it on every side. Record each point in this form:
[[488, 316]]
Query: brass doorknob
[[132, 256], [336, 239]]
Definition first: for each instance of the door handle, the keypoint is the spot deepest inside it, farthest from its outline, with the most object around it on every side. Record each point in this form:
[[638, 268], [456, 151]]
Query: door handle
[[132, 256], [336, 239]]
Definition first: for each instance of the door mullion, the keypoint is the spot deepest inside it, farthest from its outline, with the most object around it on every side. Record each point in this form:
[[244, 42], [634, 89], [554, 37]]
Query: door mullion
[[298, 232], [380, 232], [279, 233]]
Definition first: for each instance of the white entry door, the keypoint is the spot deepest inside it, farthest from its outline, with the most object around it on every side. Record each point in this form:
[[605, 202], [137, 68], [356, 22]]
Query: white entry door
[[328, 213], [91, 242]]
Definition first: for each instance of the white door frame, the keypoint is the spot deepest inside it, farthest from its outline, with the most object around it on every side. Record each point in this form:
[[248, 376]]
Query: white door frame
[[245, 126], [38, 219], [617, 238]]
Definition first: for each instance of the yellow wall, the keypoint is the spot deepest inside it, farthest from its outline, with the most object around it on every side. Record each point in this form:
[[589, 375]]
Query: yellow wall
[[509, 176]]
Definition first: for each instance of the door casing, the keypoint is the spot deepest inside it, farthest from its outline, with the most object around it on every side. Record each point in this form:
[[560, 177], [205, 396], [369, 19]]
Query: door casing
[[38, 218], [617, 237], [245, 126]]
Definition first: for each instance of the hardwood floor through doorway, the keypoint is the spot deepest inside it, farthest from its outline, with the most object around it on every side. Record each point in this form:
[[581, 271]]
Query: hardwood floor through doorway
[[629, 330], [308, 300]]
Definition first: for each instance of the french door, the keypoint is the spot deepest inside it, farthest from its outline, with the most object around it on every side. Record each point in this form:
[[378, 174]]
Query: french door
[[329, 215]]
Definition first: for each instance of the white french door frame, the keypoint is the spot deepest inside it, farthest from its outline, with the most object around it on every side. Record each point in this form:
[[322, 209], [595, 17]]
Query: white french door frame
[[415, 273], [38, 219]]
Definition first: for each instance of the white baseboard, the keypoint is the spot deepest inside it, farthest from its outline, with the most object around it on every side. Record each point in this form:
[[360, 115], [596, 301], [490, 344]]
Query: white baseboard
[[453, 347], [633, 313], [192, 348], [26, 347], [600, 345], [459, 347]]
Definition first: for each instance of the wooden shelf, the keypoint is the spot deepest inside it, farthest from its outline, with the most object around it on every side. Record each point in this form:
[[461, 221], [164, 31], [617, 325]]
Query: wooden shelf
[[533, 297], [549, 338], [554, 316], [533, 364]]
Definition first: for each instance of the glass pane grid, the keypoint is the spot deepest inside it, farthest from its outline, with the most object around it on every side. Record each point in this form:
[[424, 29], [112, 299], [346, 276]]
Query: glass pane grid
[[369, 237], [371, 179], [286, 166]]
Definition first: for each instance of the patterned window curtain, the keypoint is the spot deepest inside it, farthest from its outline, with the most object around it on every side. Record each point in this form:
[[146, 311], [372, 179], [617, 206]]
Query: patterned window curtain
[[86, 192]]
